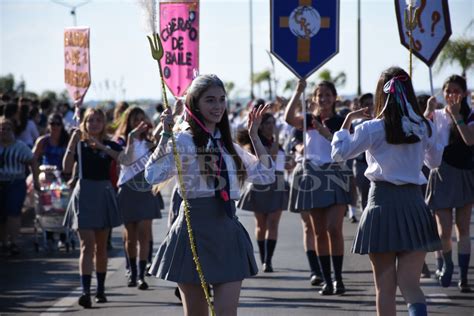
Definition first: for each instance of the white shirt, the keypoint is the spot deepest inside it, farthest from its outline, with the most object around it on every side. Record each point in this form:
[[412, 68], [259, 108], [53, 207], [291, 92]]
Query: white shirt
[[398, 164], [195, 184], [30, 134], [318, 148], [280, 160]]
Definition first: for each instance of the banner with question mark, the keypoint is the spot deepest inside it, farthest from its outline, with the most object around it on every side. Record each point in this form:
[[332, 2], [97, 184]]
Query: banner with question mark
[[430, 25]]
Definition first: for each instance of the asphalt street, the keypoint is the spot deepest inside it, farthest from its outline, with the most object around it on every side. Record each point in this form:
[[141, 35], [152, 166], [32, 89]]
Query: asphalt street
[[47, 282]]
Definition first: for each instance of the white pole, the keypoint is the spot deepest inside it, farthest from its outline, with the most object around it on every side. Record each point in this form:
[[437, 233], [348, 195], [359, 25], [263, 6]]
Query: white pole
[[431, 81]]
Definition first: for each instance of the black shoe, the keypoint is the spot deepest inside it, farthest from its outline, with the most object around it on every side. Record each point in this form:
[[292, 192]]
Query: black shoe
[[100, 298], [339, 287], [354, 219], [327, 289], [85, 301], [267, 267], [132, 281], [464, 287], [315, 280], [142, 285], [177, 293], [445, 277]]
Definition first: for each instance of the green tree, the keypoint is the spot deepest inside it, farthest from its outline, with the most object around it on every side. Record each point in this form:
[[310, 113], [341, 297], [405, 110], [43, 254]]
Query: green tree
[[263, 76], [229, 86], [339, 80], [290, 85], [7, 83], [460, 51]]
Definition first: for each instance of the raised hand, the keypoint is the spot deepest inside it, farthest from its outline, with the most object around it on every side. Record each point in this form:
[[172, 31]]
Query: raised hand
[[454, 103], [178, 108], [255, 119], [363, 113], [167, 120], [139, 130]]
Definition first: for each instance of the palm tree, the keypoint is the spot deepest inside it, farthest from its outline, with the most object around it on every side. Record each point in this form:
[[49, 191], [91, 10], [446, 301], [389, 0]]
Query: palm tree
[[339, 80], [290, 85], [262, 76], [459, 50], [229, 86]]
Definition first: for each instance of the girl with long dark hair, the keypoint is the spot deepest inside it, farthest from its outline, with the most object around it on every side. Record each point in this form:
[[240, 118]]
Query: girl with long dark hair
[[213, 169], [320, 185], [396, 228]]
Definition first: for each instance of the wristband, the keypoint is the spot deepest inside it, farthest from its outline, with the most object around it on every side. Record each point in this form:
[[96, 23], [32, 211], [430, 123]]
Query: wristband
[[460, 122], [166, 134]]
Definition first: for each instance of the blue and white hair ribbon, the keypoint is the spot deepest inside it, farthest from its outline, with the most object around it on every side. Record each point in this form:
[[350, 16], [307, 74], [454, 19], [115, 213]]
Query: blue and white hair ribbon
[[412, 123]]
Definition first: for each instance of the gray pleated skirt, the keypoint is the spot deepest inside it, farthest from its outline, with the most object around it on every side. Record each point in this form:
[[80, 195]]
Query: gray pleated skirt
[[93, 205], [449, 187], [137, 206], [175, 201], [396, 219], [265, 198], [223, 246], [319, 186]]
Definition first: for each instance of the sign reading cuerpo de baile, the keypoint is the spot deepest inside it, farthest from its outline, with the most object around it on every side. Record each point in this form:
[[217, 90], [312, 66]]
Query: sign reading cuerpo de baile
[[304, 33]]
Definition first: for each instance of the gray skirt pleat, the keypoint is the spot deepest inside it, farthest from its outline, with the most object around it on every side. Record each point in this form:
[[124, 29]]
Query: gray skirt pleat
[[93, 205], [137, 206], [396, 219], [449, 187], [319, 186], [223, 245], [265, 198]]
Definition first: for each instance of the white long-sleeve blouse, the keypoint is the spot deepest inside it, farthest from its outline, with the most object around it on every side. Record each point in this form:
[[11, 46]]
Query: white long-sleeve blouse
[[398, 164], [195, 184]]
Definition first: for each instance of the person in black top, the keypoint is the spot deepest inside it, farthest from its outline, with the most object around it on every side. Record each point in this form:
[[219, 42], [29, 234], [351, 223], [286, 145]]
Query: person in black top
[[320, 185], [452, 184], [92, 209]]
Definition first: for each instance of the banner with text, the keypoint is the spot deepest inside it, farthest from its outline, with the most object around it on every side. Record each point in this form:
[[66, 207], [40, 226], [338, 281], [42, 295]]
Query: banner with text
[[179, 32], [77, 74]]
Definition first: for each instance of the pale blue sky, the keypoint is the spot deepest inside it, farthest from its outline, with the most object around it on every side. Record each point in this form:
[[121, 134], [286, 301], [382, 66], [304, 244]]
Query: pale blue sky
[[31, 44]]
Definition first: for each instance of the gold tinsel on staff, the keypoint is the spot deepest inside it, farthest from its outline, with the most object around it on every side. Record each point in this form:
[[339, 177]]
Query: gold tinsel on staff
[[157, 54]]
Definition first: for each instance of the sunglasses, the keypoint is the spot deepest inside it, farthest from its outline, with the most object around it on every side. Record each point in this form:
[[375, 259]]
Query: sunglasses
[[55, 123]]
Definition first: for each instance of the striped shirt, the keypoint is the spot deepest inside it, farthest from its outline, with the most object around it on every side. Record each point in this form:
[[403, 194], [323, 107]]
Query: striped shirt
[[13, 160]]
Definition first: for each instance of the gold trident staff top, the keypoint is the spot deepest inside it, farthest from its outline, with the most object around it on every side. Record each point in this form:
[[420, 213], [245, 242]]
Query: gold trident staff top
[[157, 53], [410, 24]]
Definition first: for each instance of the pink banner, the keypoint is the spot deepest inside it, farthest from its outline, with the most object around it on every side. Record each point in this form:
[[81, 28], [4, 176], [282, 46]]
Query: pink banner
[[76, 62], [179, 32]]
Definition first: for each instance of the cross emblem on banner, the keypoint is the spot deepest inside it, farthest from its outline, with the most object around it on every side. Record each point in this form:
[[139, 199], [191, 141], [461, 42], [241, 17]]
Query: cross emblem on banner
[[304, 22]]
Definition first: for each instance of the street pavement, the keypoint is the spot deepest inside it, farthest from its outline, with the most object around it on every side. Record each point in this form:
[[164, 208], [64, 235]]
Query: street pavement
[[47, 283]]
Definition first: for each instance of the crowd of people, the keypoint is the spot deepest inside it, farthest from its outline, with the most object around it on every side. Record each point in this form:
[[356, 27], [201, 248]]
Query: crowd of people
[[403, 164]]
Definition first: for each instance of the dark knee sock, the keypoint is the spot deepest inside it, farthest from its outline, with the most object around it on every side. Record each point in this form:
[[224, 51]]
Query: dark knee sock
[[448, 260], [337, 264], [150, 251], [325, 264], [100, 282], [270, 245], [439, 263], [141, 269], [463, 261], [86, 283], [133, 268], [313, 262], [261, 249]]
